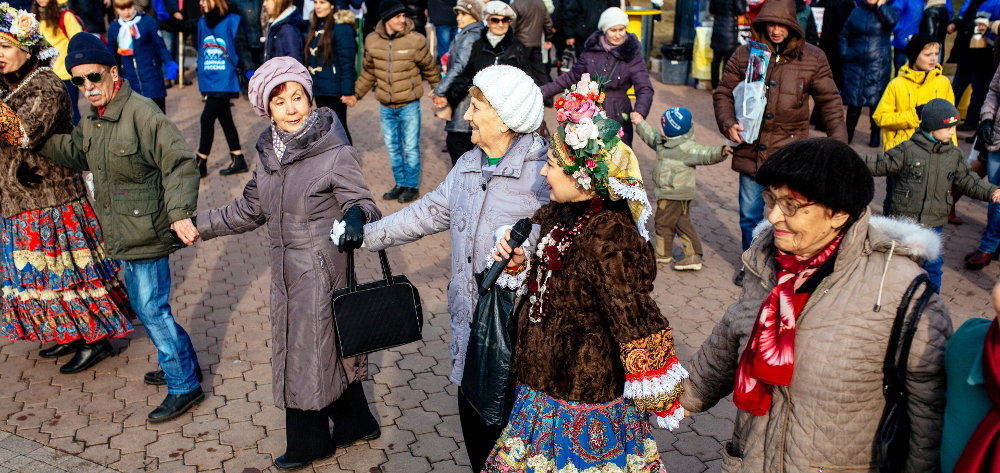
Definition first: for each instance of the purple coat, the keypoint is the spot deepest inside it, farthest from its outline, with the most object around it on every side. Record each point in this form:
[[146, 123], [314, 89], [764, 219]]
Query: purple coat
[[626, 66]]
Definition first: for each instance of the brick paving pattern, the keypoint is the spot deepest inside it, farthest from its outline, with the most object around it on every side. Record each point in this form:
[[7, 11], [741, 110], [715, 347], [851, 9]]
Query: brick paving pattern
[[220, 295]]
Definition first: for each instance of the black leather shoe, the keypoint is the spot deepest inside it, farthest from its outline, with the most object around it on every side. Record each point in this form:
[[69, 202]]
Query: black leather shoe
[[393, 193], [238, 165], [88, 355], [281, 464], [176, 404], [409, 195], [344, 443], [739, 278], [61, 349], [875, 141], [158, 378], [202, 164]]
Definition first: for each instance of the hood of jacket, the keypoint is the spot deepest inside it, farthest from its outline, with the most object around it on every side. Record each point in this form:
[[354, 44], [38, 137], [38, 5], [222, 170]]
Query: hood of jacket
[[675, 141], [319, 139], [919, 77], [783, 13], [292, 17], [344, 17], [625, 51], [380, 29], [921, 139]]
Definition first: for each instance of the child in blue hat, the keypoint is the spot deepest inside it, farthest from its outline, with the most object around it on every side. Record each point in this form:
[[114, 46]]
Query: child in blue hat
[[677, 154]]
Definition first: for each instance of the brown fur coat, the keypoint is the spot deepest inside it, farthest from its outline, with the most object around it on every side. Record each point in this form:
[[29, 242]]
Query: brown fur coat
[[600, 298]]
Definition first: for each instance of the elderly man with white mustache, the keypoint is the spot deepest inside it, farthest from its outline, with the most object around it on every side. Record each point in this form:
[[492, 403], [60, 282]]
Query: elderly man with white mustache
[[146, 191]]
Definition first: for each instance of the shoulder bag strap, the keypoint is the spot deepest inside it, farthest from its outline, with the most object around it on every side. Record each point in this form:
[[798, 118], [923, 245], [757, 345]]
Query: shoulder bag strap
[[891, 381], [352, 278]]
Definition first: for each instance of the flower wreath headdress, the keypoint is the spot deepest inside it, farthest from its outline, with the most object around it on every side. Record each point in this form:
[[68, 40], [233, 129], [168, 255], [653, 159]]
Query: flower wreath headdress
[[20, 28], [587, 145]]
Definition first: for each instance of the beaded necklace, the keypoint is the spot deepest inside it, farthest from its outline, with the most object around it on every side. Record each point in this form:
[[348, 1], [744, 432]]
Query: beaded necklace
[[25, 82], [551, 250]]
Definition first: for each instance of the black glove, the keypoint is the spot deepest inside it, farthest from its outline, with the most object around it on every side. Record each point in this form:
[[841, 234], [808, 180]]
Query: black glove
[[354, 230], [28, 176], [985, 132], [920, 109]]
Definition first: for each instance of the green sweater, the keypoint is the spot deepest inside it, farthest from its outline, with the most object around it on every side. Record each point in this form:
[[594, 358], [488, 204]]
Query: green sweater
[[676, 158]]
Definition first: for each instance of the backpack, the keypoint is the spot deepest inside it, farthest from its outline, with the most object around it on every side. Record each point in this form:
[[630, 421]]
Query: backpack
[[62, 22]]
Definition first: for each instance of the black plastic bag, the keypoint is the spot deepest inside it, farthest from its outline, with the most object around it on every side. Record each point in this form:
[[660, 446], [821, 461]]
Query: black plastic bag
[[488, 382]]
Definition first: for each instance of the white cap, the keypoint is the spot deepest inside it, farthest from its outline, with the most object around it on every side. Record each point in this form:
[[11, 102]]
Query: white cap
[[514, 95], [498, 8], [612, 17]]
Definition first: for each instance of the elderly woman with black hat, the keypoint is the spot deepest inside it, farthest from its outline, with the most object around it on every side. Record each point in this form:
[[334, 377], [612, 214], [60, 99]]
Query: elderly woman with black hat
[[59, 285], [802, 349], [307, 176], [497, 183]]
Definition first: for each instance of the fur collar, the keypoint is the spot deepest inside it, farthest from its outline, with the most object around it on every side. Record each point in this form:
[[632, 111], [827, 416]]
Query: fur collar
[[343, 17], [625, 51]]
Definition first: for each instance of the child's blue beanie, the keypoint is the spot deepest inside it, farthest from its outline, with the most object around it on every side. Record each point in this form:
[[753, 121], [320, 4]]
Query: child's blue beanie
[[676, 121]]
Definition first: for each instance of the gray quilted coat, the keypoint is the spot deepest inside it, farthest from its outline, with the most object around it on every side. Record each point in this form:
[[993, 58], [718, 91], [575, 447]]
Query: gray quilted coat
[[827, 418], [458, 58], [298, 199], [472, 207]]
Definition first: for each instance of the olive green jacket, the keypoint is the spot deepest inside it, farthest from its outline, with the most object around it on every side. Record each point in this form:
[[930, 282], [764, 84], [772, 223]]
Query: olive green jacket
[[925, 171], [144, 173], [676, 159]]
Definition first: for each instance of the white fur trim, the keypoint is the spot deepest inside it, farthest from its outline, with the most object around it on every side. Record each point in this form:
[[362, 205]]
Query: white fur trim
[[671, 421], [637, 195], [914, 240], [48, 53]]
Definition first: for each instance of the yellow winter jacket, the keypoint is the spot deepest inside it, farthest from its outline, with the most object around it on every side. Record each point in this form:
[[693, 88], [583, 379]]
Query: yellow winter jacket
[[897, 111], [53, 33]]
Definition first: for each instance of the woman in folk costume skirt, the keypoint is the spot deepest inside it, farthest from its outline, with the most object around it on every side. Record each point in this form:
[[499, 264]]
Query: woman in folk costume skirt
[[594, 355], [58, 283]]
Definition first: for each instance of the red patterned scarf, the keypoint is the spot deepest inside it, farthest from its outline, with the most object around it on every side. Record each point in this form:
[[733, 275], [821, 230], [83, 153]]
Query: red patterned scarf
[[982, 453], [769, 358]]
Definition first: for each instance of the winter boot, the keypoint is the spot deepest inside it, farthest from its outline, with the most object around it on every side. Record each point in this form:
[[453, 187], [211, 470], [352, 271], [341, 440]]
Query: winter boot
[[238, 165]]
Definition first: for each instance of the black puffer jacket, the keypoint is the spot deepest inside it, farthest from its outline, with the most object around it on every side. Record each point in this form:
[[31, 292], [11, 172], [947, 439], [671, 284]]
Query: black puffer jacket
[[508, 51], [415, 11], [725, 32]]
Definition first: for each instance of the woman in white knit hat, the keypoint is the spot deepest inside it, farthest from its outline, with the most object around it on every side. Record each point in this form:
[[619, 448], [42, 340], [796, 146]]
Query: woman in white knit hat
[[495, 184], [614, 55]]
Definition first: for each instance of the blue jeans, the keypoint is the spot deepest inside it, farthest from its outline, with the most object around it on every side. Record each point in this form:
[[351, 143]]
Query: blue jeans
[[933, 267], [401, 132], [444, 36], [898, 58], [991, 237], [751, 208], [147, 282]]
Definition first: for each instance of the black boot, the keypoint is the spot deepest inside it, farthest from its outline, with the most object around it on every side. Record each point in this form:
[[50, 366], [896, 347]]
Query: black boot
[[876, 139], [202, 164], [393, 193], [176, 404], [738, 280], [409, 195], [61, 349], [238, 165], [88, 355], [307, 437], [158, 377], [352, 420], [853, 114]]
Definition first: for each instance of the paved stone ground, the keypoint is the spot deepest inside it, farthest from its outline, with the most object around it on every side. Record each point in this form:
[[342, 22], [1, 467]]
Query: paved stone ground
[[220, 296]]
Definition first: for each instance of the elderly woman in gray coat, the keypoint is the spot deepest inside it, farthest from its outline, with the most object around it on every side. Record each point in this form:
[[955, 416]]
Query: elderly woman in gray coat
[[307, 177], [495, 184], [469, 14]]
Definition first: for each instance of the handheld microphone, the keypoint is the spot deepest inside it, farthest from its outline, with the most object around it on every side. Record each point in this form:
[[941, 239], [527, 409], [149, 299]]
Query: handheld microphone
[[518, 234]]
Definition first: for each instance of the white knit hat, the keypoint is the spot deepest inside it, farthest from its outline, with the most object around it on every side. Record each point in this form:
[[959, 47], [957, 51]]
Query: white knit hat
[[498, 8], [513, 95], [612, 17]]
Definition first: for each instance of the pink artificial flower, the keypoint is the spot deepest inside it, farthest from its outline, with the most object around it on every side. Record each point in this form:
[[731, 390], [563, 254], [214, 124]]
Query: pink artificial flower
[[561, 116], [591, 164], [586, 111]]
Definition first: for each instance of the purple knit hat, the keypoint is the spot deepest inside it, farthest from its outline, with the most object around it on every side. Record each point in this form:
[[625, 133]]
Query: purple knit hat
[[273, 73]]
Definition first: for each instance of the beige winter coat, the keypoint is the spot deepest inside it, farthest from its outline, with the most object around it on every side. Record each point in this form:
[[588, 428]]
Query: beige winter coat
[[396, 66], [827, 418]]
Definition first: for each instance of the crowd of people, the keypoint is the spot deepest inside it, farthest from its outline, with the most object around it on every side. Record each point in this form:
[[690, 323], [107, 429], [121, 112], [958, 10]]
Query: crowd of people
[[801, 350]]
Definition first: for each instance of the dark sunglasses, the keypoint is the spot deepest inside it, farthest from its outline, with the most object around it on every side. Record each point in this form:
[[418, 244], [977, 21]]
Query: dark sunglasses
[[93, 77], [497, 21]]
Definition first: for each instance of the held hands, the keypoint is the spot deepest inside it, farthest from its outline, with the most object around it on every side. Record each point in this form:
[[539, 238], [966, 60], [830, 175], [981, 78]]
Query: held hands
[[186, 231], [995, 198], [503, 250], [636, 117], [440, 102], [951, 28], [354, 230], [350, 100], [733, 133], [727, 150], [985, 131]]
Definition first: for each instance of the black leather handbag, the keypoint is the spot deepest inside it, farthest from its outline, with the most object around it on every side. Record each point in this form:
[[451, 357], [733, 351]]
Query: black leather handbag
[[377, 315], [892, 439]]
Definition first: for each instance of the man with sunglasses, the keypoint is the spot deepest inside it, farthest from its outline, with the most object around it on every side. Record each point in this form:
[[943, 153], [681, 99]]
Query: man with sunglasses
[[146, 191]]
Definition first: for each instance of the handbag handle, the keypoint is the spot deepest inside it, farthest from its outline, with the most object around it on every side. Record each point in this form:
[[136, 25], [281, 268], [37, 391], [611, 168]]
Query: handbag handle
[[352, 277], [894, 369]]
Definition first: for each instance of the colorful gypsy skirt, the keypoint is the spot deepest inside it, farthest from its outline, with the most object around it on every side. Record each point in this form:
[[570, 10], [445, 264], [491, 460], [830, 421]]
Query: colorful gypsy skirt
[[546, 434], [58, 283]]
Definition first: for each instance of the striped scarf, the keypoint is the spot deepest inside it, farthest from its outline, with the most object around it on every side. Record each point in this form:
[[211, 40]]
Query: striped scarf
[[129, 31], [769, 357]]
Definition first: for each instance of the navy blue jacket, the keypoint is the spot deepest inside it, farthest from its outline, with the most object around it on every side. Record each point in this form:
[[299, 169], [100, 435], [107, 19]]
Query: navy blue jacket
[[285, 37], [866, 52], [337, 78], [144, 69], [249, 10]]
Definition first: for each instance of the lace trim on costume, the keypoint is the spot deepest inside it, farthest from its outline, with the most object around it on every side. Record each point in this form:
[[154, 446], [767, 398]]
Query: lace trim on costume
[[653, 377], [633, 194], [508, 280]]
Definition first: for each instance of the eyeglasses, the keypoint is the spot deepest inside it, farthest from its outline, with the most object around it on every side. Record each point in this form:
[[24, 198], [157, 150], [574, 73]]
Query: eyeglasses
[[497, 21], [787, 205], [93, 77]]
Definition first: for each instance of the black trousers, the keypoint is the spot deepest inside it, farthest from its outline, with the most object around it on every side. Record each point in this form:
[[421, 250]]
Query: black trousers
[[853, 115], [160, 102], [217, 109], [458, 144], [308, 432], [536, 66], [719, 61], [479, 437], [338, 107]]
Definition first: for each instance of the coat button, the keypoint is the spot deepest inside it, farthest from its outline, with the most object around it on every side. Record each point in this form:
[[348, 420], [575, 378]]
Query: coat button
[[773, 83], [484, 186], [762, 147], [470, 259], [98, 125], [768, 116], [136, 212], [121, 151]]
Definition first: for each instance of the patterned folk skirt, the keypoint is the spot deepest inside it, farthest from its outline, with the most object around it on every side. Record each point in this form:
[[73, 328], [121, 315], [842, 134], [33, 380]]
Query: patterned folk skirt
[[546, 435], [58, 283]]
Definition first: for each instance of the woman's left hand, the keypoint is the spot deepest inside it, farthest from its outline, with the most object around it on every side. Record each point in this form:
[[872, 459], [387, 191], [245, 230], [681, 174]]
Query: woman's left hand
[[995, 198], [503, 251], [636, 117]]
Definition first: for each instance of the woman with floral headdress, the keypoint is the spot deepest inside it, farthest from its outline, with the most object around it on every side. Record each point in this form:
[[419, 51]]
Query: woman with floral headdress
[[594, 355], [58, 283]]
